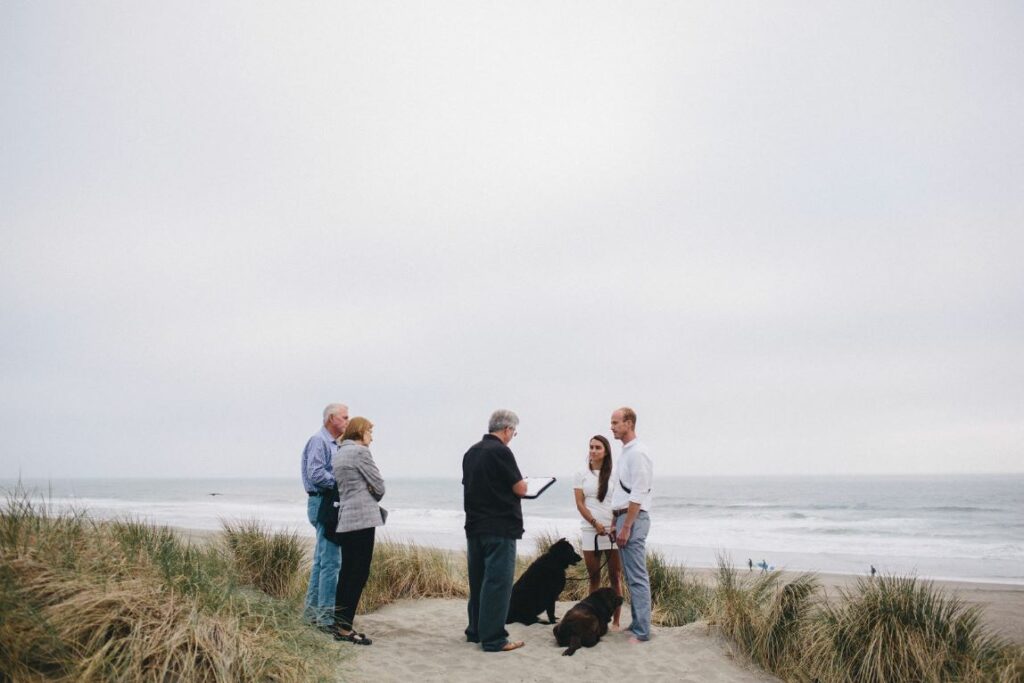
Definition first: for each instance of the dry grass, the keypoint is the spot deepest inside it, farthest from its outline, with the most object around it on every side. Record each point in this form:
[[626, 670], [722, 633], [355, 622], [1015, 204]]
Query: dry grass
[[125, 601]]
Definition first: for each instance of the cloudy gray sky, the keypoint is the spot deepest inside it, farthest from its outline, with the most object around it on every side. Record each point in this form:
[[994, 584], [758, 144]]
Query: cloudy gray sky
[[789, 234]]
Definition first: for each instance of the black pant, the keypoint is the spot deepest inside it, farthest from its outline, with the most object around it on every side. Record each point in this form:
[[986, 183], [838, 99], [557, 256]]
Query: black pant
[[356, 554]]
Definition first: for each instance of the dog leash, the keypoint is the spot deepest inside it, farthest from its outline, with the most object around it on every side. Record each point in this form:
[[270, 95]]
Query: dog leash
[[597, 537]]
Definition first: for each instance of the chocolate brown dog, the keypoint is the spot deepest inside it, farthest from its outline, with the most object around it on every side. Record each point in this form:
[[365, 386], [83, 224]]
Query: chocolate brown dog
[[587, 621]]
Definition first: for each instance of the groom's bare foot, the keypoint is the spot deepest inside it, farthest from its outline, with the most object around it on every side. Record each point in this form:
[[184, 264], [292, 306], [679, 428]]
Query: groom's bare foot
[[512, 645], [633, 640]]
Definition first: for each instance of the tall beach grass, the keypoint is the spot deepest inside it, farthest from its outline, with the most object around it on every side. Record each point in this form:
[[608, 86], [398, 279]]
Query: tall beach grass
[[894, 628], [406, 571], [884, 629], [269, 561]]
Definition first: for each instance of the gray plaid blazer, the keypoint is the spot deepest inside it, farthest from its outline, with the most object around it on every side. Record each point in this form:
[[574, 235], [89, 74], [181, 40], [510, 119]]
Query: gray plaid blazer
[[360, 486]]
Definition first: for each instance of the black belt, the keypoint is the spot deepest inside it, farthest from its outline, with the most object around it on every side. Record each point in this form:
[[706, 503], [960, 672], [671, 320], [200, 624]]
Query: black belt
[[620, 511], [312, 493]]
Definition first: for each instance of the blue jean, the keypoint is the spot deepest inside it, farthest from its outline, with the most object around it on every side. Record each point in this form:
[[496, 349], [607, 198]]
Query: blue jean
[[492, 566], [323, 577], [634, 566]]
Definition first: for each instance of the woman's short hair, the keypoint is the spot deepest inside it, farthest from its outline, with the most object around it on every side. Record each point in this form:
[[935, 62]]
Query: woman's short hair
[[356, 429], [502, 419]]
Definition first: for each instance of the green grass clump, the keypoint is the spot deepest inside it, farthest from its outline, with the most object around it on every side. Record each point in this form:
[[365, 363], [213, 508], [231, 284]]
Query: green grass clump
[[200, 572], [893, 628], [89, 601], [404, 570], [884, 629], [676, 598], [764, 616], [267, 560]]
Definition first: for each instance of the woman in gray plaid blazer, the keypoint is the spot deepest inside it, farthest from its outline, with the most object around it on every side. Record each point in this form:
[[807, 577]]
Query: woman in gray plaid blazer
[[360, 486]]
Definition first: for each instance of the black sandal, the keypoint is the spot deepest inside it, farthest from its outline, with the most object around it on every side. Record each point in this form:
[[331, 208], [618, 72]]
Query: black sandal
[[357, 638]]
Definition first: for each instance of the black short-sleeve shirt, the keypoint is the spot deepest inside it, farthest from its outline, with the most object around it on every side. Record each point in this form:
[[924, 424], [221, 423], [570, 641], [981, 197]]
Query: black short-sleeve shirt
[[489, 471]]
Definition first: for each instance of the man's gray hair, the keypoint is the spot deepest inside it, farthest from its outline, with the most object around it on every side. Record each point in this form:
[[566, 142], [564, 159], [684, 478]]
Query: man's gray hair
[[331, 409], [502, 419]]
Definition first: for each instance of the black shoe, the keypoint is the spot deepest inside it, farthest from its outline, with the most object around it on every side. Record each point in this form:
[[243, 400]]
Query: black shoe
[[357, 638]]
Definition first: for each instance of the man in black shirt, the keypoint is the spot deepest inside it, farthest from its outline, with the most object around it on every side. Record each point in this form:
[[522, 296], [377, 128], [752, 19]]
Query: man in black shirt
[[492, 489]]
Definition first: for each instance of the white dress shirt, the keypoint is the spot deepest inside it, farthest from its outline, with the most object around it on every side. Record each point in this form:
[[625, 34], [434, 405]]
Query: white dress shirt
[[636, 471]]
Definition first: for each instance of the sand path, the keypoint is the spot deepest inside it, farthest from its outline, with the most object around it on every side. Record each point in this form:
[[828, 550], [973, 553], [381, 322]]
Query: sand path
[[422, 640]]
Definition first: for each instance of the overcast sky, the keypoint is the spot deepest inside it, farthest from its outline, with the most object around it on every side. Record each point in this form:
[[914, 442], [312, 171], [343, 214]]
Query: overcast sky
[[790, 235]]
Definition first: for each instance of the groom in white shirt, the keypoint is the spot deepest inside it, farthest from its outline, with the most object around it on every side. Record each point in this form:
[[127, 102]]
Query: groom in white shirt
[[631, 503]]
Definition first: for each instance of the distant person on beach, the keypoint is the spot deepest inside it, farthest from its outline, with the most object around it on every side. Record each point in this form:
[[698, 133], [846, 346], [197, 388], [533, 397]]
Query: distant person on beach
[[360, 487], [492, 491], [750, 565], [593, 500], [318, 480], [764, 566], [631, 504], [873, 571]]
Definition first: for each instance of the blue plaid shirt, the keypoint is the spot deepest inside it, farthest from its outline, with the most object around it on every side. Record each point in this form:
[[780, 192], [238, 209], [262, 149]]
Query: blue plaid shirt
[[317, 470]]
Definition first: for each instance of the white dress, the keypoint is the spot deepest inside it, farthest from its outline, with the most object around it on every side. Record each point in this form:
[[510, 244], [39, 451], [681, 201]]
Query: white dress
[[587, 480]]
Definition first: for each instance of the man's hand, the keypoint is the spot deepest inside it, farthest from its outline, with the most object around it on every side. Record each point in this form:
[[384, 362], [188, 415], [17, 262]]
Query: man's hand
[[623, 536]]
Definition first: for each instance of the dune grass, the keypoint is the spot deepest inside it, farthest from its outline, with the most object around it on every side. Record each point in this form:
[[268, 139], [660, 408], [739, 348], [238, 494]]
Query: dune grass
[[268, 560], [763, 615], [88, 601], [404, 570], [900, 628], [676, 597], [888, 628]]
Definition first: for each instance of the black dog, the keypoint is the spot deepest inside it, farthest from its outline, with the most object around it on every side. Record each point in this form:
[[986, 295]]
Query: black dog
[[541, 584], [587, 621]]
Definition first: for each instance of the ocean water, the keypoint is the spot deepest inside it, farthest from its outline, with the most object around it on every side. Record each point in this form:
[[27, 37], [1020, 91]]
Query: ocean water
[[942, 527]]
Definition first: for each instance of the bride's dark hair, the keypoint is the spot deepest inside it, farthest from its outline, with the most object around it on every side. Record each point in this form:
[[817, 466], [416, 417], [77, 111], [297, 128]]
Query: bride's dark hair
[[606, 467]]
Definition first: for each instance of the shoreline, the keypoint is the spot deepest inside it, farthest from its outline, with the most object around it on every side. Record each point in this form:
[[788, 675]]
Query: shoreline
[[525, 548], [1003, 603], [799, 527]]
